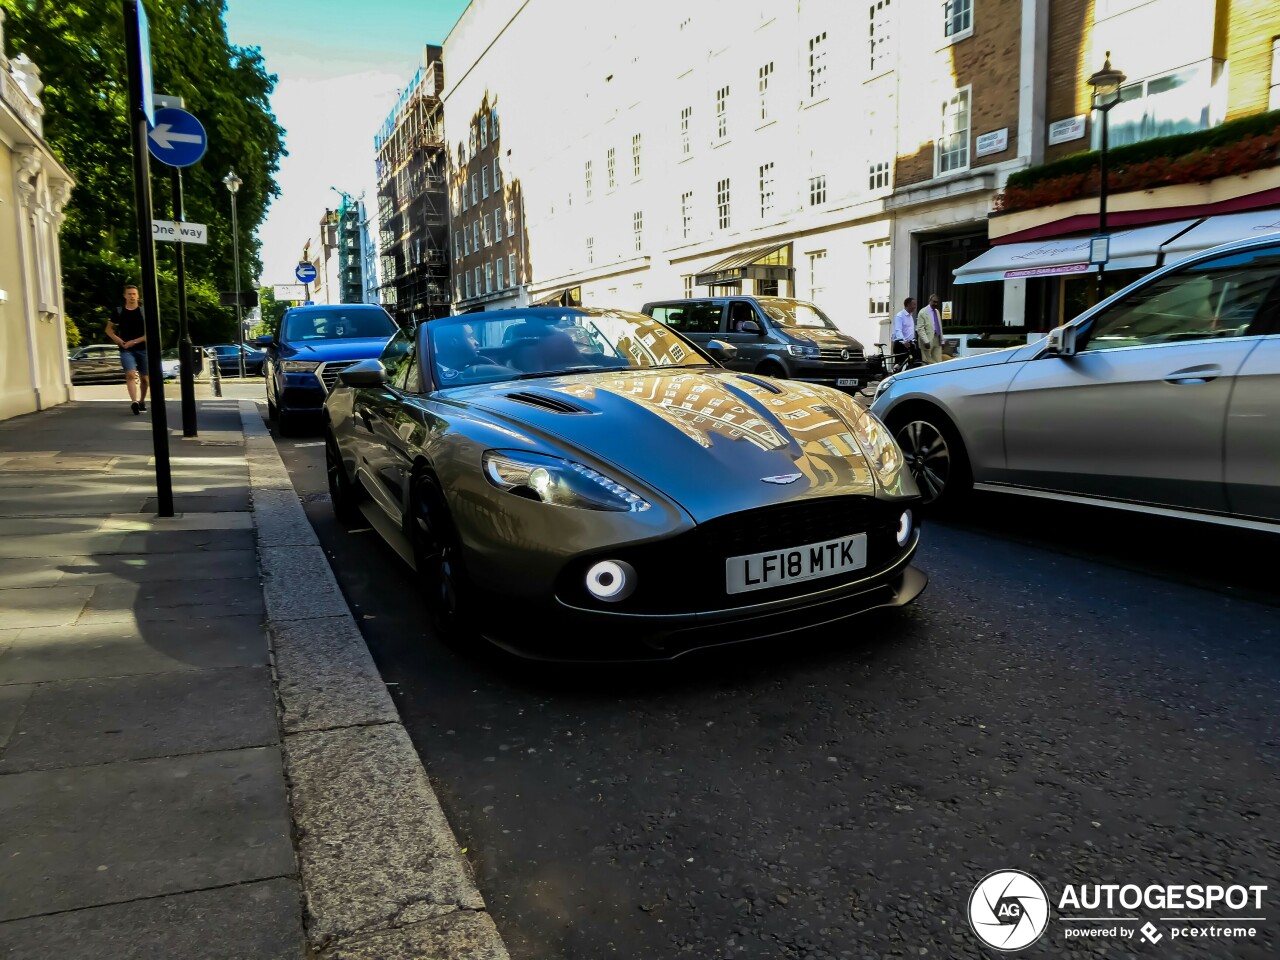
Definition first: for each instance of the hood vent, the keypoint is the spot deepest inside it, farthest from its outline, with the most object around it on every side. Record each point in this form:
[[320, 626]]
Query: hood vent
[[546, 401], [771, 387]]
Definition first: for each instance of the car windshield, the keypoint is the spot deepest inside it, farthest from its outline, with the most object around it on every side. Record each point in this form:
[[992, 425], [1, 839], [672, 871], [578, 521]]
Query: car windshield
[[515, 345], [338, 323], [794, 313]]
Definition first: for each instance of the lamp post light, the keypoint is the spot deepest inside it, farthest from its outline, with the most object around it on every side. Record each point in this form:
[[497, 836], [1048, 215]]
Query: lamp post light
[[1106, 84], [232, 183]]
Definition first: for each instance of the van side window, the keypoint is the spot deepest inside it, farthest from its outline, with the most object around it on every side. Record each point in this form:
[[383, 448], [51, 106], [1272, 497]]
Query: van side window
[[690, 316]]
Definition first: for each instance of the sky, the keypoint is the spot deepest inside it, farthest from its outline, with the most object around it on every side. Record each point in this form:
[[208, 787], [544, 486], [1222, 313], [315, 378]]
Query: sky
[[340, 65]]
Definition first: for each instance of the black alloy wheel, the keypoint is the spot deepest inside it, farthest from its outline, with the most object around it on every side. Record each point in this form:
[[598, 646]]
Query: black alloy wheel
[[936, 459], [343, 494], [437, 553]]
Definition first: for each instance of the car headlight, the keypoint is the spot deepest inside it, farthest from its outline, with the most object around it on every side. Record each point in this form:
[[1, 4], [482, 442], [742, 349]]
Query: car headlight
[[800, 350], [882, 386], [878, 446], [557, 481], [297, 366]]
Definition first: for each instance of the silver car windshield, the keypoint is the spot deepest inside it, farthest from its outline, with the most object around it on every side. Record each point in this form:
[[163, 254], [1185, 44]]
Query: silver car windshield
[[795, 313], [515, 345]]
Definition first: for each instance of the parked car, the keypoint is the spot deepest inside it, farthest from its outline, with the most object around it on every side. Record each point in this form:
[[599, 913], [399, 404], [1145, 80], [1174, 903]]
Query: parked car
[[775, 337], [587, 484], [170, 363], [311, 346], [228, 355], [1162, 396], [96, 363]]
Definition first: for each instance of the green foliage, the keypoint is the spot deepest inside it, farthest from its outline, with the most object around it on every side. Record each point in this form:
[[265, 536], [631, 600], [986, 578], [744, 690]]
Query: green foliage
[[1161, 148], [73, 333], [272, 310], [79, 47]]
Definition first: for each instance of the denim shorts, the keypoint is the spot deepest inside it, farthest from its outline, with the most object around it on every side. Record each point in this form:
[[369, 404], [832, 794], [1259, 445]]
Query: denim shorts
[[135, 358]]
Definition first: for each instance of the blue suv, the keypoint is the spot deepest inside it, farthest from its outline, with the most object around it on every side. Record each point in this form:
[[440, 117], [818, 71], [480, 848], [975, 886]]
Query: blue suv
[[313, 344]]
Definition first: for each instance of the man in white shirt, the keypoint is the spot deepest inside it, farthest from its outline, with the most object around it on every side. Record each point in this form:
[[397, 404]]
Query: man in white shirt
[[929, 331], [904, 328]]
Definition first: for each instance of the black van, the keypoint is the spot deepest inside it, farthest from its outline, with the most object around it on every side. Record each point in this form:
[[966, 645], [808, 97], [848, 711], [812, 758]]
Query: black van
[[775, 336]]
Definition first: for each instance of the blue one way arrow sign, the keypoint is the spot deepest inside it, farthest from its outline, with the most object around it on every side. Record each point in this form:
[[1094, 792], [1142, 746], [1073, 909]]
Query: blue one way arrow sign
[[177, 138]]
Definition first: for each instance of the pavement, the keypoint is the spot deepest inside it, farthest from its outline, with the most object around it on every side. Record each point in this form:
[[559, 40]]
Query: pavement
[[198, 758]]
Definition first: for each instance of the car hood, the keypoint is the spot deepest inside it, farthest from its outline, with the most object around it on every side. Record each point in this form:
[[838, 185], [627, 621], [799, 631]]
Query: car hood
[[328, 351], [714, 442], [821, 336], [960, 363]]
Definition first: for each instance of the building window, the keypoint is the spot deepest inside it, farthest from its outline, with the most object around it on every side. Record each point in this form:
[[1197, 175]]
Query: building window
[[497, 223], [1274, 102], [878, 174], [878, 272], [818, 66], [953, 145], [688, 285], [587, 175], [766, 189], [881, 32], [957, 18], [485, 231], [484, 131], [635, 156], [497, 174], [511, 268], [511, 217], [817, 190], [686, 214], [484, 182], [637, 229], [488, 277], [466, 241], [471, 141], [722, 113], [458, 285], [497, 267], [817, 274], [722, 203], [468, 279], [494, 116], [475, 234], [479, 280], [591, 250], [474, 185], [765, 73], [610, 167], [457, 245], [1177, 102], [685, 146]]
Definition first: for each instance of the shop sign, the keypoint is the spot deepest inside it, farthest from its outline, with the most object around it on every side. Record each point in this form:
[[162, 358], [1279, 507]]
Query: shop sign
[[1046, 271], [997, 141], [1064, 131]]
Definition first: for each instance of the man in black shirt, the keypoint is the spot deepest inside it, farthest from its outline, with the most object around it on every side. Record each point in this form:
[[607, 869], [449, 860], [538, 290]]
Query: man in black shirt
[[128, 329]]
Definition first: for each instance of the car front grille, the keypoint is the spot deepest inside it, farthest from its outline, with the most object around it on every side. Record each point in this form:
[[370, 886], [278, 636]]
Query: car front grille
[[328, 373], [833, 353], [686, 573]]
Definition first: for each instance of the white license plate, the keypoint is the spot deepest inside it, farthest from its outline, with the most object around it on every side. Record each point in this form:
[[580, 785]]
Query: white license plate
[[776, 568], [846, 382]]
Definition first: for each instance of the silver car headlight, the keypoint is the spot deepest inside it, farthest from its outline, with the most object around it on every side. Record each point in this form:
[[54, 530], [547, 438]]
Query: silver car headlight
[[557, 481], [878, 446], [881, 387], [298, 366]]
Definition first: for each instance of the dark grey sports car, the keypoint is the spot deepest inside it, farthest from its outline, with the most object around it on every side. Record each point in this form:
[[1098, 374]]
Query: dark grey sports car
[[585, 484]]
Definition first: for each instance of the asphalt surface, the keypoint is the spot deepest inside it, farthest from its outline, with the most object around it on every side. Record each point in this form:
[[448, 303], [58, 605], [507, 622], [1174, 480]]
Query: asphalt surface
[[1083, 695]]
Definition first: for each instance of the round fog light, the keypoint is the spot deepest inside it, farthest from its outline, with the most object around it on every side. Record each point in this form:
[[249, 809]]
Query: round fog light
[[904, 528], [611, 580]]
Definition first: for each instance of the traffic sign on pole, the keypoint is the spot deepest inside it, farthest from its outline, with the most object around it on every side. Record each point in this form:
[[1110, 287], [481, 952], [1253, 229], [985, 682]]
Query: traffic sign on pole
[[306, 272], [177, 138]]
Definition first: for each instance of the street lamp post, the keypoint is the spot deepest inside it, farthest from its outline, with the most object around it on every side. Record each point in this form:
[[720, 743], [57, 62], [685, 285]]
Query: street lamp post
[[232, 183], [1106, 84]]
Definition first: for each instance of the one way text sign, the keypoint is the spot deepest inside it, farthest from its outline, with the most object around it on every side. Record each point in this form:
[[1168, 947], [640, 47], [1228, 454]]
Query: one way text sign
[[170, 232]]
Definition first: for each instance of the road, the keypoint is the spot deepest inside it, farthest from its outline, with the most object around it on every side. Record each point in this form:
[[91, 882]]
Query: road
[[1087, 697]]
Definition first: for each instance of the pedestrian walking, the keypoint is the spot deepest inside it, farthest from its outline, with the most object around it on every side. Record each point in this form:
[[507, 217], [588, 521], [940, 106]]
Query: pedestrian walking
[[128, 329], [929, 331], [904, 330]]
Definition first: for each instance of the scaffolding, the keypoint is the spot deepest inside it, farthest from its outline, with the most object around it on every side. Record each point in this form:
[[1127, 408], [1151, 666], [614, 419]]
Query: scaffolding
[[413, 212]]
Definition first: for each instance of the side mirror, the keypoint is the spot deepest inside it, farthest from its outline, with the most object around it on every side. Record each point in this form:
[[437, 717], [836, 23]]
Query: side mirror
[[264, 341], [750, 326], [366, 373], [719, 350], [1061, 341]]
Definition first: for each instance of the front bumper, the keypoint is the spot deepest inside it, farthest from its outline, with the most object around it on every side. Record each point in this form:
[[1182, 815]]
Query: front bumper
[[302, 392], [563, 632], [830, 374]]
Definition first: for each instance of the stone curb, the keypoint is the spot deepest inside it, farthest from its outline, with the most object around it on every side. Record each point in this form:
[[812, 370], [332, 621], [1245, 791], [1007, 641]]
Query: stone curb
[[382, 875]]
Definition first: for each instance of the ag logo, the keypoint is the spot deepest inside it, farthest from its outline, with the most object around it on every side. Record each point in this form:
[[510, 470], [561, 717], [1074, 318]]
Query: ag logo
[[1008, 910]]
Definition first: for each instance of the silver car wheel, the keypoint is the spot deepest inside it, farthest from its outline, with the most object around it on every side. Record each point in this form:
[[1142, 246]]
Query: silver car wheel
[[928, 457]]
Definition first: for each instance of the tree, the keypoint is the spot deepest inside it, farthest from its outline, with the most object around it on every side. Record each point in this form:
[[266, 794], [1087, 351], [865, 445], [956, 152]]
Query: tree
[[79, 47]]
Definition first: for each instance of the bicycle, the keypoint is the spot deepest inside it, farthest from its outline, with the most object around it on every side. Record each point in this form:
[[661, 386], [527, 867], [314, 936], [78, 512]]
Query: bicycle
[[886, 364]]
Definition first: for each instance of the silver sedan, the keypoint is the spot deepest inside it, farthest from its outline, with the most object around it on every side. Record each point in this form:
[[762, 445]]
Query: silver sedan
[[1163, 398]]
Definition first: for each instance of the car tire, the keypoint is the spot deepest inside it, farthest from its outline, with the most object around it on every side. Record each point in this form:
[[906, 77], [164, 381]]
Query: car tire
[[285, 421], [934, 454], [437, 554], [343, 493], [272, 412]]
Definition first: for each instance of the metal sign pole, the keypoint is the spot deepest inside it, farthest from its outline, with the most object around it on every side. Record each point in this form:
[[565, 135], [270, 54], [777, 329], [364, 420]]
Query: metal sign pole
[[187, 367], [147, 250]]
